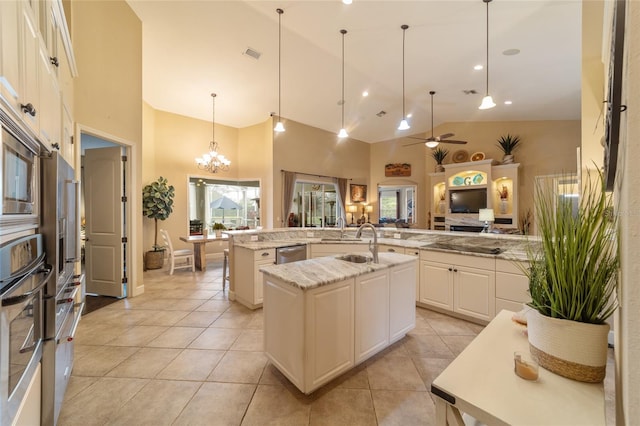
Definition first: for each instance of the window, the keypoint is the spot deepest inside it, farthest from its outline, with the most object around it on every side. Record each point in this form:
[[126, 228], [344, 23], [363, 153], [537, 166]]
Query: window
[[235, 204], [397, 204], [315, 204]]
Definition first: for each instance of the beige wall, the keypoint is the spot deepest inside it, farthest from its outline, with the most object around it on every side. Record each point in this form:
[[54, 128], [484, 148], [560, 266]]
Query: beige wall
[[307, 149], [177, 141], [107, 41], [547, 147], [627, 339]]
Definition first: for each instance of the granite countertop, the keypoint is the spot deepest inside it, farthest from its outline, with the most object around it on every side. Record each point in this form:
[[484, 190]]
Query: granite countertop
[[312, 273]]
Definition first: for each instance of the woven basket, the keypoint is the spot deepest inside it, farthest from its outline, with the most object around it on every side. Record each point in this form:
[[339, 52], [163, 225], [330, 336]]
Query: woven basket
[[154, 259], [568, 348]]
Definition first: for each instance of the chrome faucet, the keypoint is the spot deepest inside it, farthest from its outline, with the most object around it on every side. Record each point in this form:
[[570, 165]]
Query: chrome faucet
[[341, 220], [373, 250]]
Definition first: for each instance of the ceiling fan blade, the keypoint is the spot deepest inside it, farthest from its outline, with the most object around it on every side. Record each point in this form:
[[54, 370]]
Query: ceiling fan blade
[[431, 139], [415, 143], [446, 135], [454, 141]]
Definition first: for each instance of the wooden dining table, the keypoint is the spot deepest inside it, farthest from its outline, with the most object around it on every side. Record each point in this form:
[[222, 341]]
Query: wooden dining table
[[199, 248]]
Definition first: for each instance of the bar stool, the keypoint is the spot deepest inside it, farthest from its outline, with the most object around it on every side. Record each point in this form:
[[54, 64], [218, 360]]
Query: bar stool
[[225, 262]]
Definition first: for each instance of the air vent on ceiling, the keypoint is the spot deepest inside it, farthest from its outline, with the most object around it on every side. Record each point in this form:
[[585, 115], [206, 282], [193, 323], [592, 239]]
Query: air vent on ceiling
[[470, 92], [381, 113], [252, 53]]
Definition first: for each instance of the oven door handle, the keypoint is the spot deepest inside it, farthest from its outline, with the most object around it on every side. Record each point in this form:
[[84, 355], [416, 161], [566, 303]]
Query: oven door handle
[[24, 348], [14, 300], [74, 327], [28, 270]]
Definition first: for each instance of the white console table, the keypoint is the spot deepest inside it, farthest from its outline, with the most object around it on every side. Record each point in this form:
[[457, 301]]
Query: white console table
[[481, 382]]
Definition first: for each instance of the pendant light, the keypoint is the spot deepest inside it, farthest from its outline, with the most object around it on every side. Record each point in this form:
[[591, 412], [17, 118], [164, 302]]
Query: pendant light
[[404, 125], [487, 101], [279, 126], [343, 132], [213, 161], [433, 142]]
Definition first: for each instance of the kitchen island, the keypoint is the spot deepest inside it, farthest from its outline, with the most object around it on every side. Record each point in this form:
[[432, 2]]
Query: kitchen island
[[324, 316]]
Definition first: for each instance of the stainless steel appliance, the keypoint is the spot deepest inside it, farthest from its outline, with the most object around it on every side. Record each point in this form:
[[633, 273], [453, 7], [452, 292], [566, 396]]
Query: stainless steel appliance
[[23, 276], [291, 254], [60, 230], [18, 178]]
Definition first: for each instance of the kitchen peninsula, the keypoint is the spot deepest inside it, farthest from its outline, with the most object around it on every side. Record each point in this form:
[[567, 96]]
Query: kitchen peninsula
[[467, 275], [324, 316]]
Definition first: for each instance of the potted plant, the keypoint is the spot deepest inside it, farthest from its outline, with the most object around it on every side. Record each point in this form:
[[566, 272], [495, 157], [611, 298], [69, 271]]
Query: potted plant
[[439, 154], [157, 204], [508, 144], [218, 228], [573, 277]]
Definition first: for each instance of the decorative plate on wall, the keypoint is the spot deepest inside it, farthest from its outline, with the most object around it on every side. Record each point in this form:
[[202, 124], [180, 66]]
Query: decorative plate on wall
[[477, 156], [460, 156]]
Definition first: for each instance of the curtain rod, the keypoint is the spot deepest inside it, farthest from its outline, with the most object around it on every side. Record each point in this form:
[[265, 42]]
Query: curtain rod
[[311, 174]]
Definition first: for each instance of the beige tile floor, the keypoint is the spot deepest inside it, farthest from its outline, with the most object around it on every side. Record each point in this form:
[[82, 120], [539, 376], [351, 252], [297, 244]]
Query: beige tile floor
[[183, 354]]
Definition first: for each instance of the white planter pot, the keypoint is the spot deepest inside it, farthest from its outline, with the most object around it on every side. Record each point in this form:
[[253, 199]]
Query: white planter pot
[[569, 348], [507, 159]]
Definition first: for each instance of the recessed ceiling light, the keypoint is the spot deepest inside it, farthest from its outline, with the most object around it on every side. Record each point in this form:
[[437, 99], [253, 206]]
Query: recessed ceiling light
[[511, 52], [365, 94], [478, 67], [347, 1], [409, 115], [508, 102]]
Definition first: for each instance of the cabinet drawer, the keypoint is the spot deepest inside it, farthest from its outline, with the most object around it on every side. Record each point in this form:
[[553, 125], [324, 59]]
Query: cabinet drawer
[[510, 266], [268, 254], [459, 259], [512, 287]]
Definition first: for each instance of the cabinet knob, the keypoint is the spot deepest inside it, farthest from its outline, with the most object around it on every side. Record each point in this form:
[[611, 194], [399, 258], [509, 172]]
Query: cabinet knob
[[265, 254], [455, 270], [56, 145], [392, 250], [54, 61], [450, 269], [28, 109]]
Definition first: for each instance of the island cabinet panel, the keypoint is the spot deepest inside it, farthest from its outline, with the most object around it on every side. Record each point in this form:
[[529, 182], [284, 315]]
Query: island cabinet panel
[[248, 278], [512, 286], [402, 309], [284, 329], [372, 314], [330, 329]]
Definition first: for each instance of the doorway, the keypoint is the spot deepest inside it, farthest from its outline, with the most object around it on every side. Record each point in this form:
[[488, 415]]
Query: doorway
[[104, 219]]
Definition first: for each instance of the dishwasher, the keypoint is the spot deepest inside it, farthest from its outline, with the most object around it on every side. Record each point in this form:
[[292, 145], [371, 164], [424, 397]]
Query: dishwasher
[[290, 254]]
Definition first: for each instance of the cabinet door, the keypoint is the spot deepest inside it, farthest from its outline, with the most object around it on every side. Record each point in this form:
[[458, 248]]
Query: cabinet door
[[436, 286], [30, 63], [415, 252], [329, 329], [257, 280], [10, 83], [402, 306], [474, 291], [372, 314], [49, 95]]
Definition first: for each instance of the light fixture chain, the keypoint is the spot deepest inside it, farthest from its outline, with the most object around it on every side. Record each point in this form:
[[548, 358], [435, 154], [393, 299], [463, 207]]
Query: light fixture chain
[[342, 99], [487, 73], [404, 33]]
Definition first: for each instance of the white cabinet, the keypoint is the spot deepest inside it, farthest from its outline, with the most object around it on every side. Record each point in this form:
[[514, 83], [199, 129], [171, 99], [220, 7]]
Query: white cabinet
[[386, 248], [458, 283], [50, 107], [10, 82], [329, 329], [29, 102], [322, 250], [247, 276], [512, 285], [416, 253], [402, 307], [372, 314]]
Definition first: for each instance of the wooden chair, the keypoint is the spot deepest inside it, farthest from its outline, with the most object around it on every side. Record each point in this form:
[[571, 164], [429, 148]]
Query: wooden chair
[[177, 255]]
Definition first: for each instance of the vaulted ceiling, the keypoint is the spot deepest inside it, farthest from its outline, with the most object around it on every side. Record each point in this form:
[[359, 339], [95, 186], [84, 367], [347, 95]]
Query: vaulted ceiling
[[194, 48]]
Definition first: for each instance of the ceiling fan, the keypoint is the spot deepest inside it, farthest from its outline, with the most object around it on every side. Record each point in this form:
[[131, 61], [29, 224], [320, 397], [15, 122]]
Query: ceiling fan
[[433, 141]]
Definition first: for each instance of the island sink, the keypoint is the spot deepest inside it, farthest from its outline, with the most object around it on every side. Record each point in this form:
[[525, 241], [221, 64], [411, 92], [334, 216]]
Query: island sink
[[355, 258]]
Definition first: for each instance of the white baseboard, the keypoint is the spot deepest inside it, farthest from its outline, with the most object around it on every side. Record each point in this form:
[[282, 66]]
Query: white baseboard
[[232, 295]]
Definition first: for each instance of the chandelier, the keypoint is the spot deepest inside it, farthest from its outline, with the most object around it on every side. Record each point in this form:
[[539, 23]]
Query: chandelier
[[213, 161]]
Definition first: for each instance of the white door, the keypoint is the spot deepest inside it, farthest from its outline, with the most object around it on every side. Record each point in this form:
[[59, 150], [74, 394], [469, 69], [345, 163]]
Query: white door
[[104, 257]]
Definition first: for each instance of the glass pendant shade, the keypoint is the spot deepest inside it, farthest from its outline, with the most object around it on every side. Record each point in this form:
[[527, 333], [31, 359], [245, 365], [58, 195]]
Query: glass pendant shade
[[487, 102], [404, 125], [432, 144], [279, 127], [343, 133]]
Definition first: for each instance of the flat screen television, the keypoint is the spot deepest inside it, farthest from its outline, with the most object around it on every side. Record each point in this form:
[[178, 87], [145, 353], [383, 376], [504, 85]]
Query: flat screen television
[[468, 200]]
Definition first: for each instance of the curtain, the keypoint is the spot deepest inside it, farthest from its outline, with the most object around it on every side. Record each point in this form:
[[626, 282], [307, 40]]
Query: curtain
[[288, 183], [341, 185]]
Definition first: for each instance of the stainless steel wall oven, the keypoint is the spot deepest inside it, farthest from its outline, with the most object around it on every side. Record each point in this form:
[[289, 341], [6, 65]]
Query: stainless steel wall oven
[[23, 277]]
